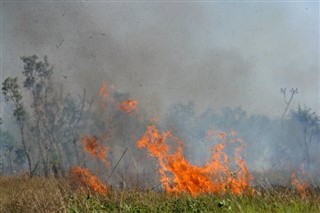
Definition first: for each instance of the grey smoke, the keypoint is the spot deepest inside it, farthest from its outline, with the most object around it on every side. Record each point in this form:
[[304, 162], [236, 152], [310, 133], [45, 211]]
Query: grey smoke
[[215, 54], [161, 53]]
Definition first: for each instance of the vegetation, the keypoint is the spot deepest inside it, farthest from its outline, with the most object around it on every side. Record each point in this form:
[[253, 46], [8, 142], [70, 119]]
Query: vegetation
[[60, 132], [50, 124], [11, 92], [19, 194], [307, 122]]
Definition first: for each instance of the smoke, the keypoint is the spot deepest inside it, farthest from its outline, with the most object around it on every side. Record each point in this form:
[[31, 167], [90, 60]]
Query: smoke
[[211, 55], [215, 54]]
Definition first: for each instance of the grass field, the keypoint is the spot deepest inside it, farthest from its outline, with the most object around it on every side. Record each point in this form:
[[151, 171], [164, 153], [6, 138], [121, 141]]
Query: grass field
[[39, 194]]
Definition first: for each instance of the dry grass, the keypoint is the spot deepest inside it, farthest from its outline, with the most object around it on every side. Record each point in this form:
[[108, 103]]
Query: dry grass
[[39, 194], [21, 194]]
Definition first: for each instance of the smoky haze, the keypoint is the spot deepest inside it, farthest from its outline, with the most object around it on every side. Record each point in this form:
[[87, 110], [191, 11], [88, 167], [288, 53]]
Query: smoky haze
[[191, 66], [214, 54]]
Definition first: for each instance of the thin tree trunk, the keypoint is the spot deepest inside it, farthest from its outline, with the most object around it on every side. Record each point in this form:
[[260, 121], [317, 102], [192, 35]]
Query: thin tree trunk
[[306, 144], [76, 150], [25, 148], [11, 162]]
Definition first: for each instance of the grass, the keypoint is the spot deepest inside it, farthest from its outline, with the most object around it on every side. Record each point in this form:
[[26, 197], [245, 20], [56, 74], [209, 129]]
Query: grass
[[39, 194]]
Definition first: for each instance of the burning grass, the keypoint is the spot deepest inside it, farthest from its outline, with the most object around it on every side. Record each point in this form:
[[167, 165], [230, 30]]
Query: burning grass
[[222, 184], [39, 194], [87, 180]]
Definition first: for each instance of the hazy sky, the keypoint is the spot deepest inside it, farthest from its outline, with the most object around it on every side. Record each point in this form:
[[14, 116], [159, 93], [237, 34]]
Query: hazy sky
[[215, 54]]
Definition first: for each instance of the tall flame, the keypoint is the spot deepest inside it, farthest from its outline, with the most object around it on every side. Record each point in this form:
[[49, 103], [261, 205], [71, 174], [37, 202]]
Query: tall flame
[[178, 175]]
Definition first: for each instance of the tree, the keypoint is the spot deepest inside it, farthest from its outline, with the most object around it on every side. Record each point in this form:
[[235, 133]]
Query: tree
[[38, 82], [54, 118], [12, 155], [308, 122], [283, 91], [11, 92], [6, 147]]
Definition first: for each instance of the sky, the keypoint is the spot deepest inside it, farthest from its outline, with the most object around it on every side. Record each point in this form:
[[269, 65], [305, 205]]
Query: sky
[[215, 54]]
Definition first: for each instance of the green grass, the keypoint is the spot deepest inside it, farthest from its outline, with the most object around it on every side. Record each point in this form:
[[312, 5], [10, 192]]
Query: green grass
[[51, 195]]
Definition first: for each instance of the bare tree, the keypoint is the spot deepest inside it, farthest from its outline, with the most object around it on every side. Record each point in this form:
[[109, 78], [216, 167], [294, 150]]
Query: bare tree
[[287, 102]]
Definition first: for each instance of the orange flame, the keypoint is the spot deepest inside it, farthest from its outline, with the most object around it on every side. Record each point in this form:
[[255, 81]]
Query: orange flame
[[95, 148], [128, 105], [179, 176], [103, 90], [301, 186], [88, 180], [106, 94]]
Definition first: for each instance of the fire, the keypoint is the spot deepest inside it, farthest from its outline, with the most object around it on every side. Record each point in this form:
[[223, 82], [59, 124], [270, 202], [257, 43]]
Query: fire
[[301, 186], [95, 148], [88, 180], [80, 175], [104, 91], [93, 145], [128, 105], [178, 175]]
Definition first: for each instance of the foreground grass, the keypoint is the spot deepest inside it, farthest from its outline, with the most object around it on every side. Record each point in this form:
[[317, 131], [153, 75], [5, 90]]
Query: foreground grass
[[50, 195]]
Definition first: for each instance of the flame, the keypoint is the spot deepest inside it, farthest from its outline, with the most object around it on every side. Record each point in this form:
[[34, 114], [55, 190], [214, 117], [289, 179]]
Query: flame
[[301, 186], [103, 92], [178, 175], [88, 180], [128, 105], [95, 148]]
